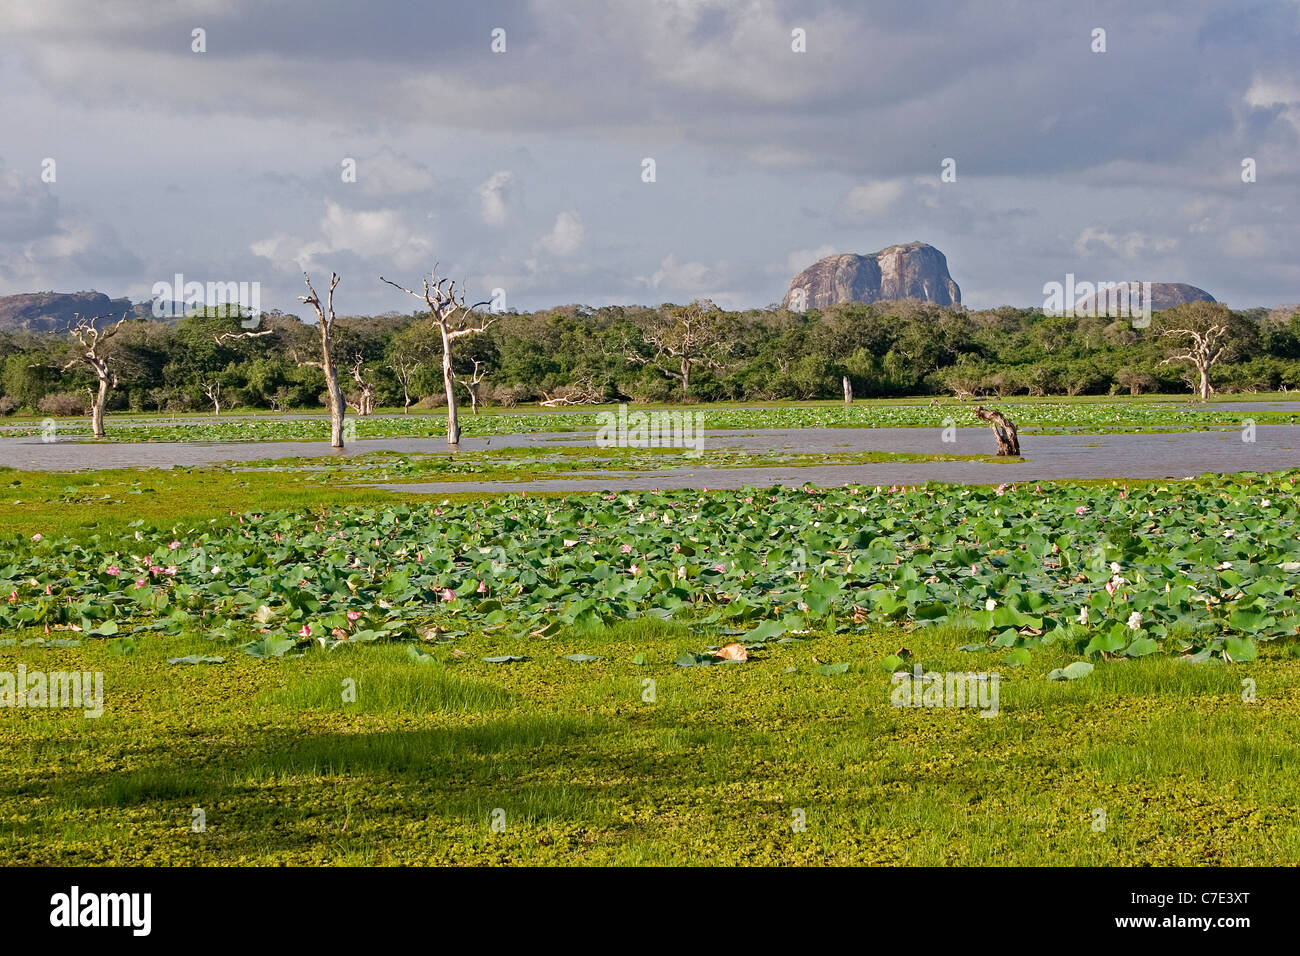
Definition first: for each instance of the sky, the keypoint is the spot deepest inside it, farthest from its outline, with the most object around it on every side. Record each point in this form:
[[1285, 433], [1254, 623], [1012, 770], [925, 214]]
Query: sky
[[522, 168]]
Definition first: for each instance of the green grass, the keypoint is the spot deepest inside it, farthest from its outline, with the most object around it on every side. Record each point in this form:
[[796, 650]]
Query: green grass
[[585, 771], [77, 503]]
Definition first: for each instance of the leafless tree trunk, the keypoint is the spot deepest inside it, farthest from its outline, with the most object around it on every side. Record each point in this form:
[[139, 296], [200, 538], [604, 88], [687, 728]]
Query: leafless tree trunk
[[325, 320], [366, 397], [688, 337], [451, 316], [848, 390], [90, 339], [585, 391], [405, 371], [471, 385], [1205, 349], [1004, 428], [213, 391]]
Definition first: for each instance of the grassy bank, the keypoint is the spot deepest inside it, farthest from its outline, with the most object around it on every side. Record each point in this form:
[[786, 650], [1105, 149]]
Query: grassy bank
[[579, 767]]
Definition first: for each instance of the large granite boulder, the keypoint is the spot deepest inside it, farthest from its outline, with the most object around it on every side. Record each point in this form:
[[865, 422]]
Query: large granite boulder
[[916, 270], [1164, 295]]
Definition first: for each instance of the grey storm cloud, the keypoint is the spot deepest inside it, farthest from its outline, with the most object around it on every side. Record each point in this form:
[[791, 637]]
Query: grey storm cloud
[[522, 169]]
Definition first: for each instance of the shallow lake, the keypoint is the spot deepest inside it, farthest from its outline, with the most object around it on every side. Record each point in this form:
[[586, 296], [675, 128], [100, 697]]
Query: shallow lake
[[1175, 455]]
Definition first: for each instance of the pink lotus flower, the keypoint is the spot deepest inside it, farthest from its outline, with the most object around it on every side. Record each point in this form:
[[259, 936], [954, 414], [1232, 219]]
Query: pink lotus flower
[[1110, 588], [140, 583], [306, 631], [155, 569], [176, 544], [482, 588], [448, 594], [36, 537], [1082, 510], [354, 615], [13, 597], [170, 570], [635, 569], [114, 570], [719, 567], [626, 549]]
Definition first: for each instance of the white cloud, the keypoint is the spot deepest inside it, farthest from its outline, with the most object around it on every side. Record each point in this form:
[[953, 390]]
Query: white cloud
[[692, 277], [800, 259], [494, 194], [565, 237], [1129, 245], [379, 234], [1276, 92], [871, 199], [391, 174]]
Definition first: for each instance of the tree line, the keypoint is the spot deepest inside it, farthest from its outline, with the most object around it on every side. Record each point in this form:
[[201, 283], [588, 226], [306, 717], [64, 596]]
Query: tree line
[[576, 354]]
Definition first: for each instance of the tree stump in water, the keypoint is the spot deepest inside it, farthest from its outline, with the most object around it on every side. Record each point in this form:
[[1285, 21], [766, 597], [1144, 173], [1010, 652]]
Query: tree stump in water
[[1005, 430]]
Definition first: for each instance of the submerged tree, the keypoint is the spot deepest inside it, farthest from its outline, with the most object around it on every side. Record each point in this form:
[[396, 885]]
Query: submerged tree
[[325, 321], [1004, 429], [91, 341], [452, 318]]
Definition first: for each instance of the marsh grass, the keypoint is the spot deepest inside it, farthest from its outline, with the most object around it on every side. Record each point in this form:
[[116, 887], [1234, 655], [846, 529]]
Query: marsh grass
[[581, 769]]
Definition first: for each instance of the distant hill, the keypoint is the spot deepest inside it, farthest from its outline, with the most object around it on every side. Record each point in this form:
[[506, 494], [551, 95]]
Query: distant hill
[[56, 311], [1164, 295], [916, 270]]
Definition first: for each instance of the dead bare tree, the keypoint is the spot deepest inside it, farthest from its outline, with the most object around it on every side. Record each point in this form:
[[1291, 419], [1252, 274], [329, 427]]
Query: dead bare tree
[[365, 403], [91, 339], [584, 391], [213, 391], [1204, 350], [451, 317], [1003, 428], [404, 370], [325, 321], [221, 339], [472, 385], [682, 339]]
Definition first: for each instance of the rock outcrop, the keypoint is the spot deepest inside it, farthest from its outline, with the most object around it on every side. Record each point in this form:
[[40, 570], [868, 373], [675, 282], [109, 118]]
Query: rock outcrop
[[916, 270], [1164, 295], [55, 311]]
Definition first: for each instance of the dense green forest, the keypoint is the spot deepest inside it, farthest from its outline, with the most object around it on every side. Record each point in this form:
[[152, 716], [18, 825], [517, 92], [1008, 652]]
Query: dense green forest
[[669, 353]]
